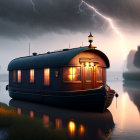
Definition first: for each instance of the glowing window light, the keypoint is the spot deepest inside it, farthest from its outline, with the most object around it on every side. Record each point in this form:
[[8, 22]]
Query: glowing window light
[[87, 64], [58, 123], [81, 129], [31, 75], [47, 76], [14, 76], [19, 76], [72, 72], [92, 64], [72, 127]]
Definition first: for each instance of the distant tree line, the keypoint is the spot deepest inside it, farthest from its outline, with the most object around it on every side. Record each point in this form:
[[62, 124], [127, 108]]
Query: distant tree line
[[137, 58]]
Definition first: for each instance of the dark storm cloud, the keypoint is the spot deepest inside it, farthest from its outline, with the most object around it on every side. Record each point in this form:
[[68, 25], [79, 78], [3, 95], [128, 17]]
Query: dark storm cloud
[[127, 12], [32, 17]]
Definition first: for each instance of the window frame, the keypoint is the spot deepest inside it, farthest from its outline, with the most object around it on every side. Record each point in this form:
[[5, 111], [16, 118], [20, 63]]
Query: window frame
[[101, 76], [14, 76], [85, 74]]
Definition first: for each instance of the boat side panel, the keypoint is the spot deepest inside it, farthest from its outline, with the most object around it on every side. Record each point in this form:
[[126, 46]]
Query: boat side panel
[[55, 82], [25, 96], [88, 101]]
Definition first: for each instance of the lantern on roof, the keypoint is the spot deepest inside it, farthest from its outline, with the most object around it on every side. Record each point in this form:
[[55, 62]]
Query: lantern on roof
[[90, 40]]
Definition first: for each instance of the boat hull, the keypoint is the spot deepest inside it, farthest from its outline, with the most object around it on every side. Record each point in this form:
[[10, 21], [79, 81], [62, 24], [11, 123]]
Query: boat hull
[[93, 99]]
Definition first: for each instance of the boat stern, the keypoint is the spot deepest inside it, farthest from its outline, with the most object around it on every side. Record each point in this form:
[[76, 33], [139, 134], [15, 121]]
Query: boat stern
[[110, 93]]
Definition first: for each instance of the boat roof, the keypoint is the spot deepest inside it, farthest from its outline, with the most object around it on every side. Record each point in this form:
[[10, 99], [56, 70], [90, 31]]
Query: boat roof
[[52, 59]]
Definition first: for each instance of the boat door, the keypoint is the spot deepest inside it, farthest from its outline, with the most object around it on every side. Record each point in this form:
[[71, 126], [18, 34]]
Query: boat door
[[88, 78]]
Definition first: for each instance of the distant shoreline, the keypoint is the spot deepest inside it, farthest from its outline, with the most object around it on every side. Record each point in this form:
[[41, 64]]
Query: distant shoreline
[[131, 76]]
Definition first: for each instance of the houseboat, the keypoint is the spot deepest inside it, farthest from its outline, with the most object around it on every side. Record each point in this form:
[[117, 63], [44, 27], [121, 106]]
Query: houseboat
[[69, 78]]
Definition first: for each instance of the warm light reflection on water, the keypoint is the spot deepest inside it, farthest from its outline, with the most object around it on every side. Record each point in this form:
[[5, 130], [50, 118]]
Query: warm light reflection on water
[[81, 130], [123, 104], [18, 111], [72, 127], [58, 123], [31, 114], [126, 116], [46, 120], [83, 125]]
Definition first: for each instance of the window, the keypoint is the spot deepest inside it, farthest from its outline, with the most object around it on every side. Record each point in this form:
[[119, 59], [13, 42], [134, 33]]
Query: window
[[19, 76], [47, 76], [72, 74], [99, 74], [31, 75], [14, 76]]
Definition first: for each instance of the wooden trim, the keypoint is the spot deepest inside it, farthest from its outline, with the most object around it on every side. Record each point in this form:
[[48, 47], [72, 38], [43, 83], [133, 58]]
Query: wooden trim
[[102, 66], [84, 82], [100, 82], [72, 82], [89, 91]]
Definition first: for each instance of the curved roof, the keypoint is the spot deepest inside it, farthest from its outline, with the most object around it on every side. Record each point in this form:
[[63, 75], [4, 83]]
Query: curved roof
[[54, 59]]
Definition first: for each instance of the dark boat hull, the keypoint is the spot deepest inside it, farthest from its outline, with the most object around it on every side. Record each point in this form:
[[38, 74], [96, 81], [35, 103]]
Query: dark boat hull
[[94, 99]]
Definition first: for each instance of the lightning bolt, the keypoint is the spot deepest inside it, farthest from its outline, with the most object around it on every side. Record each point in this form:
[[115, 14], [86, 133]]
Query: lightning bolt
[[33, 5], [112, 25]]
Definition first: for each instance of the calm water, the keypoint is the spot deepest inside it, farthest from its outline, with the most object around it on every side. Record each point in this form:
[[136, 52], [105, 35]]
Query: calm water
[[120, 122]]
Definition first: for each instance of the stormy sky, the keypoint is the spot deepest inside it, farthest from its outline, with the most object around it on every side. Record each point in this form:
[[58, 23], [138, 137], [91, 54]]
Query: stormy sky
[[32, 17], [23, 21]]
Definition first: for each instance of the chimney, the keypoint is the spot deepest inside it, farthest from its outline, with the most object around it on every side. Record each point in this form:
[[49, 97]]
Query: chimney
[[34, 54]]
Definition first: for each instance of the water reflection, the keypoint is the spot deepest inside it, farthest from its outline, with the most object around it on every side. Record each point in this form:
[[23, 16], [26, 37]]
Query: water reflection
[[58, 123], [18, 111], [72, 128], [81, 130], [31, 114], [133, 90], [79, 125], [46, 120]]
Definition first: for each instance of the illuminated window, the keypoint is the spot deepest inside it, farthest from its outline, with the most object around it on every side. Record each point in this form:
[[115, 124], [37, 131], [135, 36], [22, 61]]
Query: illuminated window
[[47, 76], [31, 75], [99, 74], [14, 76], [72, 74], [19, 76]]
